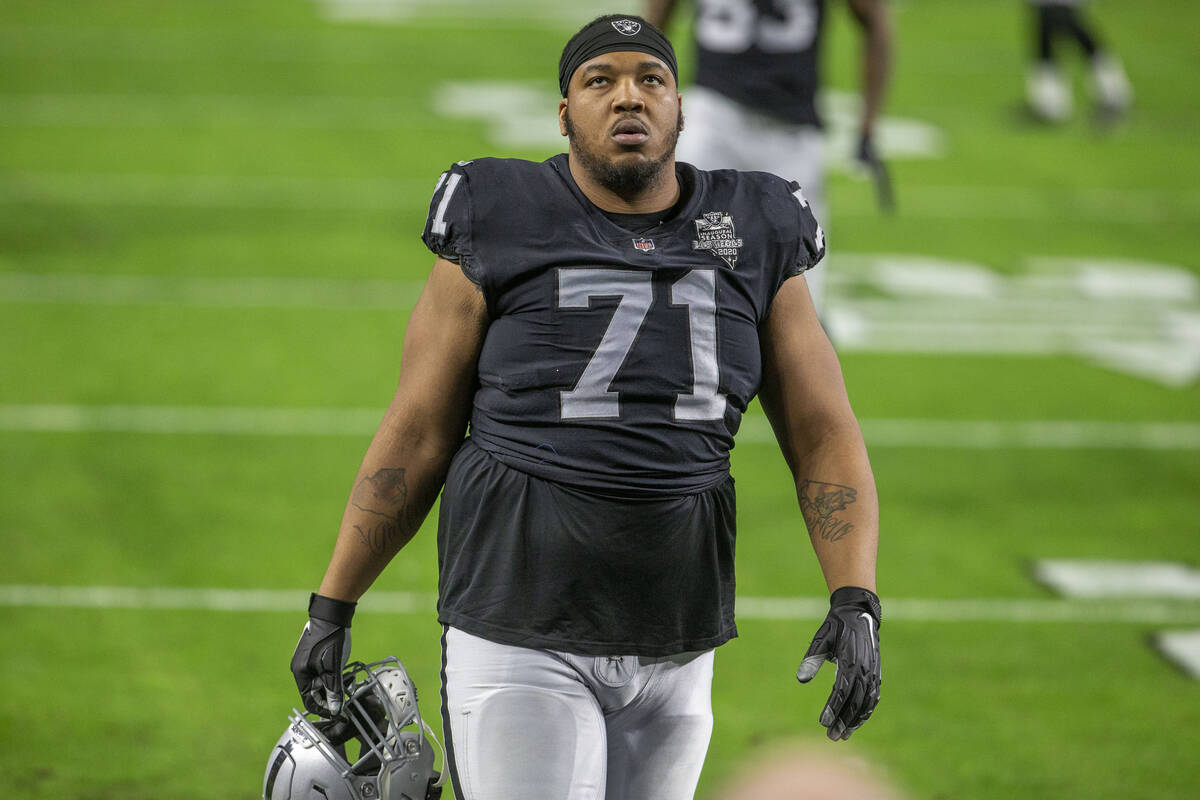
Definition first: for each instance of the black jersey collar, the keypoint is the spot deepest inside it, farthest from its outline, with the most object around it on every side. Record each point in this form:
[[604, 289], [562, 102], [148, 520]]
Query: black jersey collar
[[684, 211]]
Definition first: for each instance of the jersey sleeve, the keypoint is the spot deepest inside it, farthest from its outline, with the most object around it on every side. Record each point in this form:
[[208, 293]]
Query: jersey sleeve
[[448, 227], [810, 239]]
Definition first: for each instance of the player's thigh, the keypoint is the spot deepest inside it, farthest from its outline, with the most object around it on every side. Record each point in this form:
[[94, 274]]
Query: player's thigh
[[722, 134], [712, 136], [657, 743], [795, 152], [519, 724]]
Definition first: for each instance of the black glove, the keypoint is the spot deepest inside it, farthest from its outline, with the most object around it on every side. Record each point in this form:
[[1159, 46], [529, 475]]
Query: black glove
[[321, 654], [870, 161], [849, 637]]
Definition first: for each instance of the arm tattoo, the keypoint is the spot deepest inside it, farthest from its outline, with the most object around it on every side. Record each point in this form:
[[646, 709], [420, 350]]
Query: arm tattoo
[[819, 502], [384, 497]]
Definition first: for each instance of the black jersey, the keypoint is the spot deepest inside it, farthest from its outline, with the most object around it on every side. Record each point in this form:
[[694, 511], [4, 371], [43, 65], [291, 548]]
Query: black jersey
[[764, 54], [614, 361], [591, 509]]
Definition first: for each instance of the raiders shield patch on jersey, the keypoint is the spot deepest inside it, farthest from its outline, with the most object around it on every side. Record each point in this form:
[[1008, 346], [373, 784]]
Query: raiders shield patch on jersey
[[628, 27], [715, 233]]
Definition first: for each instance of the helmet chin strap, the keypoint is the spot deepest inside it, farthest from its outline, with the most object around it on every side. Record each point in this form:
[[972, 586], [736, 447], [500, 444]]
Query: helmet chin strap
[[441, 775]]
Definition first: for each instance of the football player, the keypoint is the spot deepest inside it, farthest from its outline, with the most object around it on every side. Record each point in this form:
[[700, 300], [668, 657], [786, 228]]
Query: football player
[[1047, 88], [600, 321], [753, 103]]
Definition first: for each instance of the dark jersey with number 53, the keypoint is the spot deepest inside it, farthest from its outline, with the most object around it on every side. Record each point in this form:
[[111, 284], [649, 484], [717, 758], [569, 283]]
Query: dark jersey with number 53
[[764, 54], [617, 362]]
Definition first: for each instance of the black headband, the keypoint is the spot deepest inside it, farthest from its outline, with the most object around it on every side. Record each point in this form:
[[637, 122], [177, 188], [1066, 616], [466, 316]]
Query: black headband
[[611, 35]]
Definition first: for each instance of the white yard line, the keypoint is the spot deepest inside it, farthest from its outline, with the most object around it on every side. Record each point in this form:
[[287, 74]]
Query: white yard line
[[1152, 612], [1088, 577], [551, 14], [1028, 434], [210, 420], [74, 44], [193, 599], [1050, 204], [346, 113], [144, 44], [322, 293], [123, 111], [748, 608], [920, 433], [213, 191], [127, 110], [1182, 647]]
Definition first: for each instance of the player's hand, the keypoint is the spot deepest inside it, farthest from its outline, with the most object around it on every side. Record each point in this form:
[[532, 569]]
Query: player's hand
[[849, 637], [321, 655], [869, 161]]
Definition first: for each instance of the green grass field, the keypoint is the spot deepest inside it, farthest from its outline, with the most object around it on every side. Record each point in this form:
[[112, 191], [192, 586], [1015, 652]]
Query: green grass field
[[216, 205]]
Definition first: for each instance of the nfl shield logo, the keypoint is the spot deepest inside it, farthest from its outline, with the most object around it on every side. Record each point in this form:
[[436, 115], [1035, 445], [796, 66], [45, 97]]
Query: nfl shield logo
[[627, 27], [645, 245]]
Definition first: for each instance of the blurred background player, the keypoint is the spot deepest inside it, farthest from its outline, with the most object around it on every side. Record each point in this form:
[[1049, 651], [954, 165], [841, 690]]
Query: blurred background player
[[752, 105], [1047, 88]]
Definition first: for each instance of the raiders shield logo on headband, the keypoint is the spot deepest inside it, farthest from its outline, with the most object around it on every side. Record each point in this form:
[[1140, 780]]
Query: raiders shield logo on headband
[[627, 26]]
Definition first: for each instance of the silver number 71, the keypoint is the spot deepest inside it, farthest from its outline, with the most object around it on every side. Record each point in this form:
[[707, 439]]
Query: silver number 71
[[591, 397]]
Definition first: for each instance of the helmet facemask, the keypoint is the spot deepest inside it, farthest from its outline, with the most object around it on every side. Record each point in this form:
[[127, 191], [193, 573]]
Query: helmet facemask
[[377, 748]]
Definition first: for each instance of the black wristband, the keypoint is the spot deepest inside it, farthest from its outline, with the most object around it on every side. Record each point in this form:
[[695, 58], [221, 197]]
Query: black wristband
[[339, 612], [858, 597]]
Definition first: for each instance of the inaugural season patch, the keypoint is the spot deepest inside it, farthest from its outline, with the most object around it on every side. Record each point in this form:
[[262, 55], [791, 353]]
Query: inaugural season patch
[[715, 233]]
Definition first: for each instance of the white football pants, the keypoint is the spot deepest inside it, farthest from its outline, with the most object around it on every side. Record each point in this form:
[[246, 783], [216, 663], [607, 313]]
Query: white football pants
[[525, 724], [721, 134]]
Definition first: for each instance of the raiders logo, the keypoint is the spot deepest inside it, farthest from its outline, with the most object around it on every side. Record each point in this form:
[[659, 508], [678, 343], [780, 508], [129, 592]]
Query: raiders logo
[[628, 27], [715, 233]]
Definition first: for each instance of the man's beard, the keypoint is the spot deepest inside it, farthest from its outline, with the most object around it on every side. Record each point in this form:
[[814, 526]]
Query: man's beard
[[622, 179]]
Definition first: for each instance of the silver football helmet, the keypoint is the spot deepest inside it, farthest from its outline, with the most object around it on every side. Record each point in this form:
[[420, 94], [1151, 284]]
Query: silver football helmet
[[386, 762]]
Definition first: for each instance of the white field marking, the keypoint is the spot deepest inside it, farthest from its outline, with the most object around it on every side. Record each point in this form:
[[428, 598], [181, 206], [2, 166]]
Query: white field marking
[[304, 112], [1152, 612], [223, 421], [1077, 291], [1140, 318], [918, 433], [897, 138], [141, 44], [21, 287], [198, 599], [1101, 578], [1132, 295], [531, 13], [515, 112], [525, 130], [213, 191], [1019, 434], [73, 44], [1045, 205], [1182, 647], [748, 608]]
